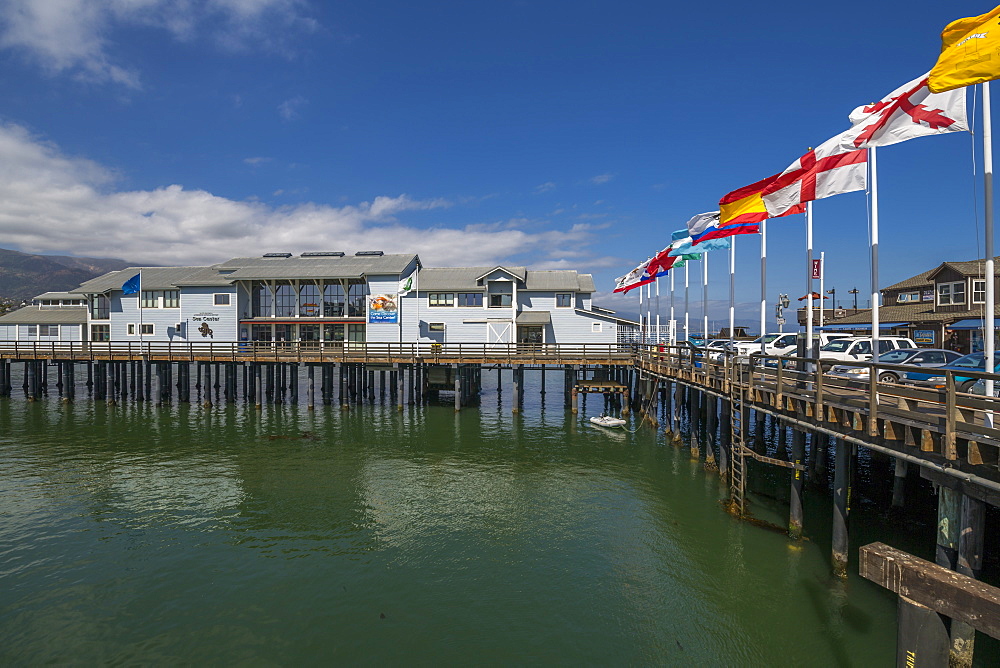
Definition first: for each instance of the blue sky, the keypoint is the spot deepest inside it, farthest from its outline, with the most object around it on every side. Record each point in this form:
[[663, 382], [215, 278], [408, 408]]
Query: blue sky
[[551, 134]]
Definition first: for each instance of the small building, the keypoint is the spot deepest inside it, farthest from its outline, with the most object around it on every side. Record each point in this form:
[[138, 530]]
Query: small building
[[940, 307], [335, 298], [45, 323]]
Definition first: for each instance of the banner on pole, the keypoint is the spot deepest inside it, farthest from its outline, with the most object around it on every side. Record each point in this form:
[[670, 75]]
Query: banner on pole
[[817, 268]]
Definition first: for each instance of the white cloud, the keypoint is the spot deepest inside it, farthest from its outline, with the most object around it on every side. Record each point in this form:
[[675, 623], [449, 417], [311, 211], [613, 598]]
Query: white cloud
[[289, 109], [77, 36], [601, 179], [256, 160], [55, 203], [545, 187]]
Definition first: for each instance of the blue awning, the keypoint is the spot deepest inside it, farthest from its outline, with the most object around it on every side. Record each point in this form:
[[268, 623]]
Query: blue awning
[[863, 325], [968, 323]]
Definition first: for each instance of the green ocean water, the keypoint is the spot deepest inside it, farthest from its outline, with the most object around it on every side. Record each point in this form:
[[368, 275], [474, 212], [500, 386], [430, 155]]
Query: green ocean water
[[137, 534]]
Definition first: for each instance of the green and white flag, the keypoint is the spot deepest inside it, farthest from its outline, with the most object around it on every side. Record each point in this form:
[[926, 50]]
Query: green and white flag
[[408, 284]]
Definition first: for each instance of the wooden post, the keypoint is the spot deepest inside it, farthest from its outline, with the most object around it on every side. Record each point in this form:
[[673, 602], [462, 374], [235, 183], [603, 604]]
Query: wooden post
[[969, 564], [899, 483], [795, 499], [841, 507], [311, 389], [458, 387]]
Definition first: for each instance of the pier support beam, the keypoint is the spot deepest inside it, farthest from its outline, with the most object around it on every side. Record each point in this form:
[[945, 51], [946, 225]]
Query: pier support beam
[[899, 483], [795, 498], [841, 507]]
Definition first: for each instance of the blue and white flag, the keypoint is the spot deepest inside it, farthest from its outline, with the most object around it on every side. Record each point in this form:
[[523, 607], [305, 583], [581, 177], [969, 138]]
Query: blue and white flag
[[131, 286]]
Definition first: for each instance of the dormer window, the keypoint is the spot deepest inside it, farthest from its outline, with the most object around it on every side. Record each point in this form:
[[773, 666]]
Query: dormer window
[[908, 297], [502, 300], [978, 291], [951, 294]]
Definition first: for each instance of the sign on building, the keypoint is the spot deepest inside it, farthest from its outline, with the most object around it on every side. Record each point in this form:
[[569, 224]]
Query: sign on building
[[382, 309], [925, 336]]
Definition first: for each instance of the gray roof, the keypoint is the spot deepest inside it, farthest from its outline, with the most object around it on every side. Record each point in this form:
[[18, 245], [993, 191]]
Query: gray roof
[[349, 266], [517, 272], [153, 278], [32, 315], [533, 318], [915, 313], [206, 276], [466, 278], [59, 295]]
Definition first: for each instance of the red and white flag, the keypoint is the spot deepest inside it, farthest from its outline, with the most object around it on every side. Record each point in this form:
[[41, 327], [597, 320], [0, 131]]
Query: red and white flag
[[828, 170], [910, 111]]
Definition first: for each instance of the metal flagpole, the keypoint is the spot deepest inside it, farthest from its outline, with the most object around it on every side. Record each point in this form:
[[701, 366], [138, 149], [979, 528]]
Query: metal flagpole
[[989, 346], [874, 258], [809, 275], [642, 323], [138, 303], [763, 284], [704, 296], [659, 335], [732, 287], [673, 320], [649, 319], [687, 299], [822, 293]]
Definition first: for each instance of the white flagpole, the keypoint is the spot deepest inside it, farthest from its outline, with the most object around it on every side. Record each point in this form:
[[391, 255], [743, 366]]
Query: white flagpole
[[649, 319], [704, 296], [822, 294], [673, 319], [138, 302], [989, 348], [642, 324], [763, 283], [658, 333], [732, 287], [809, 283], [687, 299], [874, 251]]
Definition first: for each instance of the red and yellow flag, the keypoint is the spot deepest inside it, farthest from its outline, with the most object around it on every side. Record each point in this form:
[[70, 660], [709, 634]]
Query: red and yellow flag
[[970, 53], [743, 210]]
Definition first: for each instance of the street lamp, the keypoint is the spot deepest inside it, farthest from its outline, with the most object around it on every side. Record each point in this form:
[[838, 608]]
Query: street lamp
[[833, 291], [855, 293]]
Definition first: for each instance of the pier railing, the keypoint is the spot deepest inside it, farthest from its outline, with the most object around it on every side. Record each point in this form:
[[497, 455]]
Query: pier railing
[[934, 420], [307, 351]]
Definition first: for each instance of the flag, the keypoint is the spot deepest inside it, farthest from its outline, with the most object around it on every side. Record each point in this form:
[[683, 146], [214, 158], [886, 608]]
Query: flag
[[703, 225], [661, 262], [741, 211], [407, 284], [635, 278], [682, 260], [828, 170], [910, 111], [970, 53], [132, 285], [685, 245]]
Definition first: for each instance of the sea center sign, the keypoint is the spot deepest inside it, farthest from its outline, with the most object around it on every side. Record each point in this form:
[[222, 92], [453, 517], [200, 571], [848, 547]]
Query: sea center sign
[[382, 309]]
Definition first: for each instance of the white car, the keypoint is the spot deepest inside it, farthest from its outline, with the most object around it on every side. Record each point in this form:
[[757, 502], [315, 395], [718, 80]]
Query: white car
[[859, 349], [781, 344]]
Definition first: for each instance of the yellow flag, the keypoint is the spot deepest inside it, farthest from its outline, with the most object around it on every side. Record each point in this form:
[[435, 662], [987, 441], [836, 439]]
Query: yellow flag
[[970, 53]]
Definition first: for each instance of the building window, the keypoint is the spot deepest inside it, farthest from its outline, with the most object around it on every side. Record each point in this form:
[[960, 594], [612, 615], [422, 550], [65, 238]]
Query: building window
[[131, 329], [100, 308], [357, 298], [951, 294], [907, 297], [309, 301], [502, 300], [100, 332], [222, 299], [595, 327], [147, 329], [48, 330], [171, 299], [333, 302], [261, 301], [284, 301], [441, 299], [161, 299], [435, 327], [31, 330], [356, 333], [978, 291], [470, 299], [564, 300]]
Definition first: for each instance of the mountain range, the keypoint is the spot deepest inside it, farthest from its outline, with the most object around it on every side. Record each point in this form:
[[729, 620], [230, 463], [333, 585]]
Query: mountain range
[[23, 275]]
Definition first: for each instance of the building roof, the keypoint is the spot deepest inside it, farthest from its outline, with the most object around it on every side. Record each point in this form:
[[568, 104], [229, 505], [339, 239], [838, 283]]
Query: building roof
[[54, 296], [915, 313], [153, 278], [33, 315], [349, 266], [918, 281], [467, 278], [533, 318], [967, 268]]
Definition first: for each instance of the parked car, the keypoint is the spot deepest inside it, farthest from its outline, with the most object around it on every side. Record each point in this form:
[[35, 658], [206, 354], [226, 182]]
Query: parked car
[[979, 387], [935, 379], [859, 349], [781, 343], [922, 357], [716, 349]]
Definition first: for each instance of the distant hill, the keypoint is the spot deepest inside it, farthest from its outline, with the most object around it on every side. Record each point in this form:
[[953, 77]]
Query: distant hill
[[23, 275]]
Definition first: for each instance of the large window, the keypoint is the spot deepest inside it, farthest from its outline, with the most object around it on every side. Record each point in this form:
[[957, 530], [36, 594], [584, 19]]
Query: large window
[[262, 304], [100, 332], [470, 299], [100, 308], [564, 300], [502, 300], [356, 333], [978, 291], [284, 301], [357, 295], [309, 301], [161, 299], [441, 299], [333, 302], [147, 329], [951, 294]]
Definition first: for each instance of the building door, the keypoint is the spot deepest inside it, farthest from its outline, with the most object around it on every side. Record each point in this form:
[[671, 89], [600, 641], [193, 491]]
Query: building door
[[498, 333], [531, 334]]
